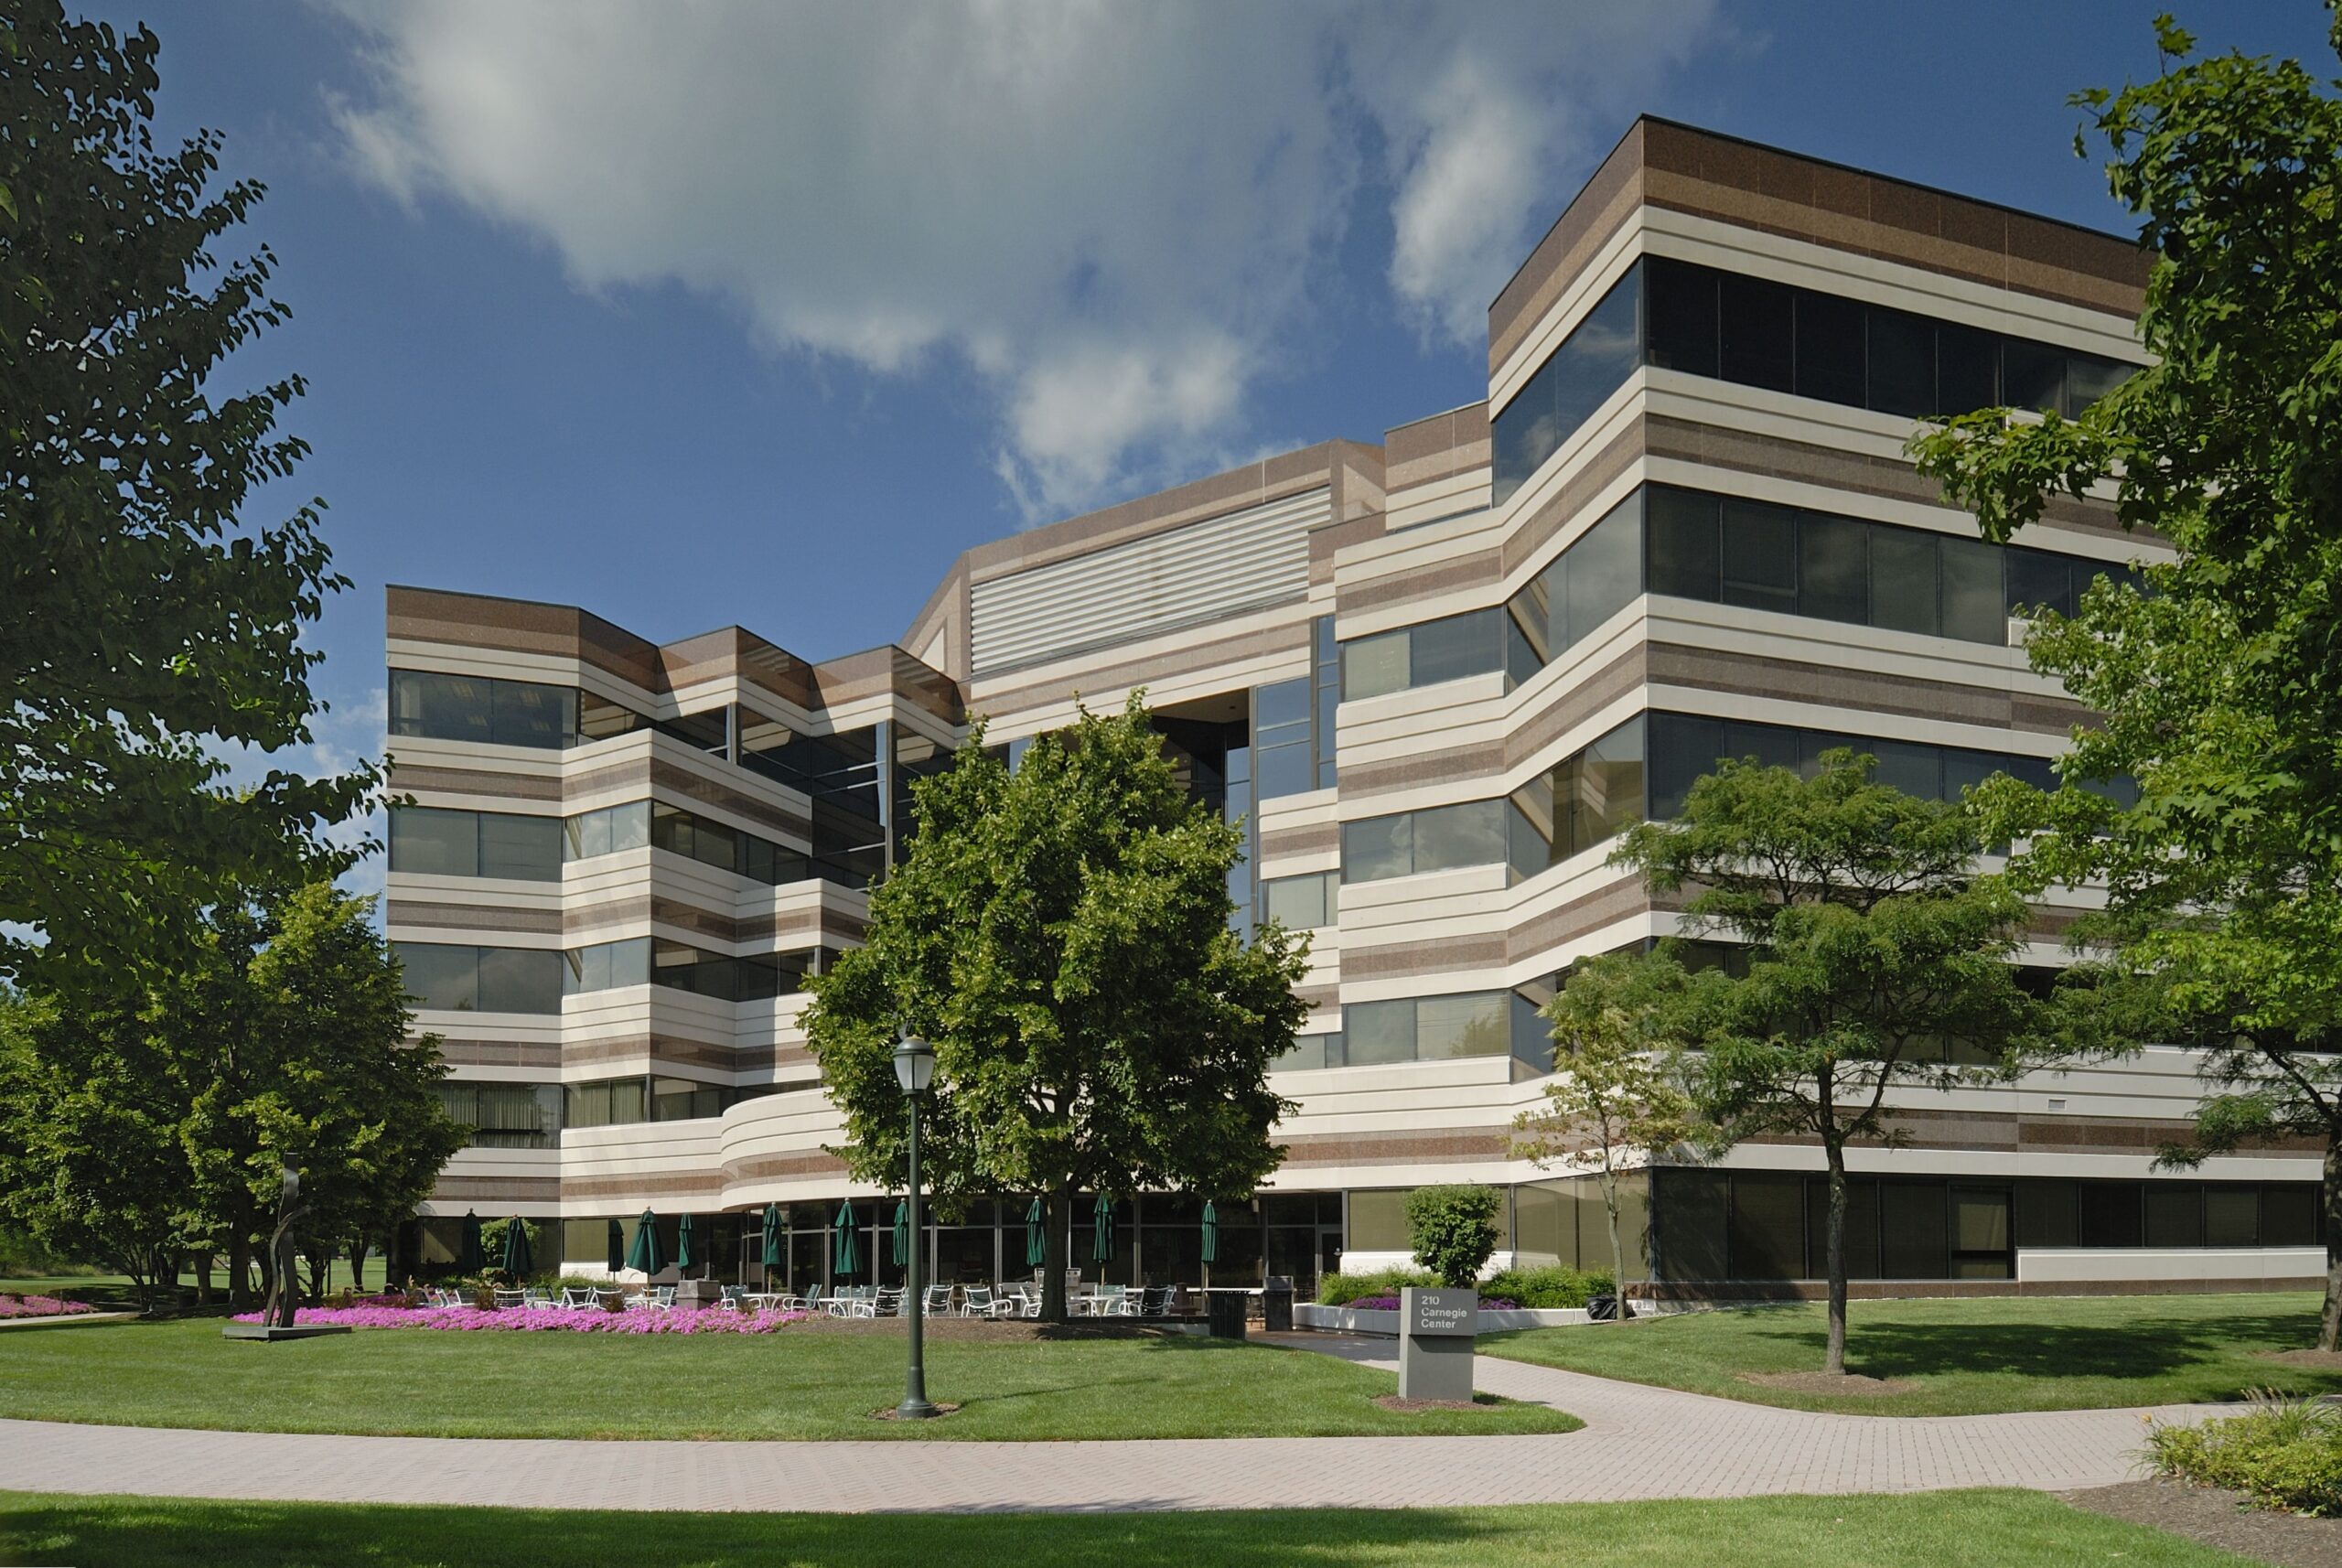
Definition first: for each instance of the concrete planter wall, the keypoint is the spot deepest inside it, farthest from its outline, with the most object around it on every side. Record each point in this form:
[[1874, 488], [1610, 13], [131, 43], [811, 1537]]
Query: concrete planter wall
[[1356, 1320]]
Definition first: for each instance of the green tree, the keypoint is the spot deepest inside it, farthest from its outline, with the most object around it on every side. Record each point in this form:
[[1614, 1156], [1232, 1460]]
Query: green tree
[[146, 629], [91, 1163], [1876, 959], [2220, 687], [1617, 1099], [1453, 1230], [290, 1040], [1060, 935]]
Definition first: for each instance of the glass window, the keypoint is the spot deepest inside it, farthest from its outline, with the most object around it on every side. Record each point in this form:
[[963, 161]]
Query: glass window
[[520, 980], [1475, 1024], [1767, 1225], [1300, 903], [1903, 586], [1455, 646], [431, 842], [1968, 362], [1448, 837], [1684, 747], [2033, 375], [1975, 607], [1378, 847], [1832, 561], [441, 707], [1759, 333], [526, 713], [1914, 770], [1600, 792], [2039, 580], [526, 849], [1288, 769], [1760, 556], [1591, 363], [1376, 1033], [1372, 666], [1604, 569], [1685, 551], [2048, 1213], [2175, 1214], [2110, 1214], [439, 974], [1902, 363], [1682, 316], [2231, 1215], [2289, 1215], [1912, 1231], [1828, 348], [2089, 377], [1693, 1213]]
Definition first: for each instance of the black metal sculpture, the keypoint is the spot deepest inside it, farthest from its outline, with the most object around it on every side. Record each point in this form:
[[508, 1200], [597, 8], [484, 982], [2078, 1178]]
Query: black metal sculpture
[[284, 1288]]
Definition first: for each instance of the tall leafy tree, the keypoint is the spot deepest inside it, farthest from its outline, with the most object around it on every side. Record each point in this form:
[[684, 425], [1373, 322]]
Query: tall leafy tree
[[1876, 959], [146, 629], [1616, 1100], [2221, 686], [1061, 934]]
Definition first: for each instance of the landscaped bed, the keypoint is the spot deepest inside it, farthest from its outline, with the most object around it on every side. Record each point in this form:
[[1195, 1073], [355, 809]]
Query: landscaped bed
[[543, 1319], [14, 1306], [818, 1378], [1959, 1358], [2006, 1529]]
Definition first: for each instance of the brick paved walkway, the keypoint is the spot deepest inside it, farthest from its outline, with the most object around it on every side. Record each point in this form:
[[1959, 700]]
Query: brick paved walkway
[[1639, 1443]]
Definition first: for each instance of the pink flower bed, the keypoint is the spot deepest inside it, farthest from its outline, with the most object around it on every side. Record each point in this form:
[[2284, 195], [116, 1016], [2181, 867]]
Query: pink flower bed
[[546, 1319], [40, 1306]]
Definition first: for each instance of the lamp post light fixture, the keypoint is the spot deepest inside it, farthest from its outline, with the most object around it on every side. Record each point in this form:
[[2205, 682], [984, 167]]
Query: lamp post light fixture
[[915, 1069]]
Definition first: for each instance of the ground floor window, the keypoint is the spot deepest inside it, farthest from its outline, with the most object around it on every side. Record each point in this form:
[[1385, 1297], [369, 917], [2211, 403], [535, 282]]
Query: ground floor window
[[1773, 1225]]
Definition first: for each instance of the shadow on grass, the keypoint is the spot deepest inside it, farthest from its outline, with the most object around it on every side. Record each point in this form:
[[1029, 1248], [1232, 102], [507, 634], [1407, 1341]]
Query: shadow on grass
[[2140, 1349]]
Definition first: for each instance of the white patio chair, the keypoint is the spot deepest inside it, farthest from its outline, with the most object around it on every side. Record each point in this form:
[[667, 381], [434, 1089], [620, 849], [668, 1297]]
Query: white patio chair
[[511, 1297], [1157, 1302], [935, 1301], [975, 1301], [855, 1301], [662, 1297], [1108, 1302], [1028, 1299], [577, 1298], [890, 1301]]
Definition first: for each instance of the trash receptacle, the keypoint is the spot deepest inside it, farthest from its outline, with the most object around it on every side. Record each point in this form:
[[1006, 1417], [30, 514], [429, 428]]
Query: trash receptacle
[[1224, 1313], [1602, 1308], [1276, 1305]]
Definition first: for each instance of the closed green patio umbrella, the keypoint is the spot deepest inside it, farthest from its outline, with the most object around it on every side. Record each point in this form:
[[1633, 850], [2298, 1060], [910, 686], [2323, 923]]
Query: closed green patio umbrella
[[517, 1261], [903, 1233], [845, 1259], [686, 1257], [472, 1257], [645, 1255], [618, 1246], [772, 1258], [1102, 1241], [1037, 1235], [1210, 1239]]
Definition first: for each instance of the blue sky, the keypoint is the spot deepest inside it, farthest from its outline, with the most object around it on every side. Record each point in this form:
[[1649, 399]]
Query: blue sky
[[757, 313]]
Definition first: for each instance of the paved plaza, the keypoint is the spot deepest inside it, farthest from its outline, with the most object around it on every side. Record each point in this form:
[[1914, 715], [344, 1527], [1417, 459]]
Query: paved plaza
[[1639, 1442]]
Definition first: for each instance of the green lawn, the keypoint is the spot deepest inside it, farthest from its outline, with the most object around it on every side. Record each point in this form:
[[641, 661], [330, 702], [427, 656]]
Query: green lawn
[[1966, 1356], [112, 1290], [2008, 1529], [793, 1384]]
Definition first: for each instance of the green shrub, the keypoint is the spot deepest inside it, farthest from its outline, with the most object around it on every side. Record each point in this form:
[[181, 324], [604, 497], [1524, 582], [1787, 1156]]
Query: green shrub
[[1454, 1231], [1341, 1290], [1547, 1287], [2282, 1452]]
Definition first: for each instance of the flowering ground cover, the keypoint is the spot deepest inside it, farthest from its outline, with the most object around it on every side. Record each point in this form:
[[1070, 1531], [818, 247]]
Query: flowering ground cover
[[39, 1306], [380, 1314]]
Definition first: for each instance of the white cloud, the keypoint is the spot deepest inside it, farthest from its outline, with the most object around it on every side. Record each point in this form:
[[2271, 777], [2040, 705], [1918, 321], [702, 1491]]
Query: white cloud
[[1113, 214]]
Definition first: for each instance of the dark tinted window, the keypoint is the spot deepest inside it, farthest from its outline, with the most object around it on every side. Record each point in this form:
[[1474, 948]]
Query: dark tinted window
[[2110, 1214], [1833, 566], [1682, 316], [1454, 648], [1903, 586], [524, 848], [431, 842], [1902, 363], [1591, 363], [1685, 553], [1830, 349], [1759, 333], [2033, 375], [1760, 556], [1914, 1230], [1968, 362]]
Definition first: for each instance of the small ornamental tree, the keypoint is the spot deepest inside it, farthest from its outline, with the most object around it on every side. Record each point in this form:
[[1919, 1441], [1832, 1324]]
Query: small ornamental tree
[[2220, 688], [1877, 959], [1616, 1100], [1060, 935], [1454, 1231]]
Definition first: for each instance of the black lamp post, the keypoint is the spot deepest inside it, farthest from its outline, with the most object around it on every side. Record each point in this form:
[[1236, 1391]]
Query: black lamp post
[[915, 1069]]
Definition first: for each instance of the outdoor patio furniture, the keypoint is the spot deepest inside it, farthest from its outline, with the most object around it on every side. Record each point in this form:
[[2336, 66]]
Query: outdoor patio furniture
[[577, 1298], [809, 1302], [975, 1301], [732, 1296], [532, 1297], [511, 1298], [1027, 1301], [662, 1297], [855, 1301], [602, 1298], [890, 1301], [1157, 1302], [935, 1301]]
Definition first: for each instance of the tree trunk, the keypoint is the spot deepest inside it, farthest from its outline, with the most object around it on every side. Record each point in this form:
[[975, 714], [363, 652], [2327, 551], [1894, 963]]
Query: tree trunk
[[2329, 1320], [240, 1270], [1835, 1362], [1057, 1210], [203, 1276], [357, 1251], [1617, 1248]]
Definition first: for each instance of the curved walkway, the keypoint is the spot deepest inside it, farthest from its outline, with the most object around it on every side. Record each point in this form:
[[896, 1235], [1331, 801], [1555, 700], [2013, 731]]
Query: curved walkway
[[1639, 1442]]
